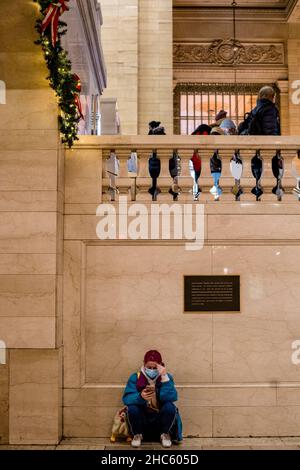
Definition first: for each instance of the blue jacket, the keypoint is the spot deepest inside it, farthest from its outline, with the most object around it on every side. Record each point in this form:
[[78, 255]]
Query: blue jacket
[[166, 391]]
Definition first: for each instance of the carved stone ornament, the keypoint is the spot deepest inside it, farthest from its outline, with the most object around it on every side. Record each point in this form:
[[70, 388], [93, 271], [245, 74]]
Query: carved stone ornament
[[229, 52]]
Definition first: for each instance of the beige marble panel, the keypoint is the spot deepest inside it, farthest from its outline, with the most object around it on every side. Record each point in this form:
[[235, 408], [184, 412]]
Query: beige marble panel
[[4, 381], [26, 295], [23, 263], [97, 421], [34, 397], [247, 227], [28, 332], [37, 107], [29, 139], [223, 396], [256, 421], [29, 201], [28, 170], [134, 302], [93, 397], [250, 349], [88, 421], [197, 421], [288, 396], [85, 227], [15, 73], [269, 278], [19, 16], [27, 232], [256, 345], [78, 227], [83, 176], [71, 314]]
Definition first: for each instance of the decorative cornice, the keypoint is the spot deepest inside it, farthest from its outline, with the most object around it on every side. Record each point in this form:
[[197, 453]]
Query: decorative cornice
[[201, 11], [226, 52]]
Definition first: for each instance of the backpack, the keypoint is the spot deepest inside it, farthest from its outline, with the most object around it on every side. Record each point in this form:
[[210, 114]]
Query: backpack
[[243, 126], [251, 125]]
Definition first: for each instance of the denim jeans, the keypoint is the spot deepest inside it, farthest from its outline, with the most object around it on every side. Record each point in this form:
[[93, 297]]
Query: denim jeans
[[151, 424], [195, 175]]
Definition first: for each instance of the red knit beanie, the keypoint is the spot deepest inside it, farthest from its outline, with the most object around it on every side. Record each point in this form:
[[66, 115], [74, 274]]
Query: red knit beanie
[[221, 115], [153, 356]]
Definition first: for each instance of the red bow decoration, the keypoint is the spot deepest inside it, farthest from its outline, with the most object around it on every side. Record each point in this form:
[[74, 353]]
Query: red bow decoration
[[55, 10], [77, 101]]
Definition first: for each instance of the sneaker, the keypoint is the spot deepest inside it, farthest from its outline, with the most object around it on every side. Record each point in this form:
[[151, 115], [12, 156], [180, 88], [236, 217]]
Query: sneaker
[[137, 440], [165, 440]]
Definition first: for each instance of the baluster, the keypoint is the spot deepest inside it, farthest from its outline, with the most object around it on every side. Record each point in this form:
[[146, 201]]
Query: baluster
[[257, 171], [154, 166], [175, 172], [236, 168], [296, 174], [113, 170], [216, 171], [133, 170], [278, 172], [195, 166]]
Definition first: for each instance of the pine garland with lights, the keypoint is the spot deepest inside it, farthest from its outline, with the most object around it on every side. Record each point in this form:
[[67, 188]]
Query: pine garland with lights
[[64, 82]]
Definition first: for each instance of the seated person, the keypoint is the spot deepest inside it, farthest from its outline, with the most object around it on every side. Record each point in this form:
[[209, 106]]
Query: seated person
[[149, 397]]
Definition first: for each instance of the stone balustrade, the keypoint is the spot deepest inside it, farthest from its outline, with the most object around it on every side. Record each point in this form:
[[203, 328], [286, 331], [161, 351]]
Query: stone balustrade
[[144, 145]]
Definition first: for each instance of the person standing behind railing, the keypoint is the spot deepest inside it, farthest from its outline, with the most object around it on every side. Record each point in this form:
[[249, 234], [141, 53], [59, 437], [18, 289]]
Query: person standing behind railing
[[264, 118]]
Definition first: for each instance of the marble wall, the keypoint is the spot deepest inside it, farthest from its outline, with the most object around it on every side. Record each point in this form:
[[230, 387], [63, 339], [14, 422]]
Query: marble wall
[[233, 371], [31, 235]]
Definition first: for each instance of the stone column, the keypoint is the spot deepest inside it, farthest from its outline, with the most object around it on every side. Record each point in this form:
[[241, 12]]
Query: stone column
[[155, 64], [31, 234], [137, 41], [283, 86], [120, 47], [293, 46]]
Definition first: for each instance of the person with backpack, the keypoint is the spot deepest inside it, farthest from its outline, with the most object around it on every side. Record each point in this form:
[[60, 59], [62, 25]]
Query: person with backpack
[[149, 397], [264, 118]]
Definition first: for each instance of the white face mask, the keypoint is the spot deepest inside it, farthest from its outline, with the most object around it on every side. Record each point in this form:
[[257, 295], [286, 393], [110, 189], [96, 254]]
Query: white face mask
[[152, 373]]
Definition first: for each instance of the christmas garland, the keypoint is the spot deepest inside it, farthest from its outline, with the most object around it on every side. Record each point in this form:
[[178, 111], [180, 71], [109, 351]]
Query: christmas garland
[[65, 83]]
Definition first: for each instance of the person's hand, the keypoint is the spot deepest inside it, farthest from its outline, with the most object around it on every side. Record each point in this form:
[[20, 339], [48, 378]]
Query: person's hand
[[147, 394], [161, 369]]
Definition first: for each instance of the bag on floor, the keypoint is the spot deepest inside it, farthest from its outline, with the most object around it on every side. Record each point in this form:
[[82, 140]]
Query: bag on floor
[[120, 428]]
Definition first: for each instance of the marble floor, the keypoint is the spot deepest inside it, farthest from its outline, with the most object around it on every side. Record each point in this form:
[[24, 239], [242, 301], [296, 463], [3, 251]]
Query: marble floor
[[254, 443]]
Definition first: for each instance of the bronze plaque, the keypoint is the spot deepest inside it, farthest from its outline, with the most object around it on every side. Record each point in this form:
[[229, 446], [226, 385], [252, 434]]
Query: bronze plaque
[[211, 293]]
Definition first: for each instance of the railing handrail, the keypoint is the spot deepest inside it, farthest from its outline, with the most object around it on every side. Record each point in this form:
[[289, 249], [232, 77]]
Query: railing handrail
[[146, 142]]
